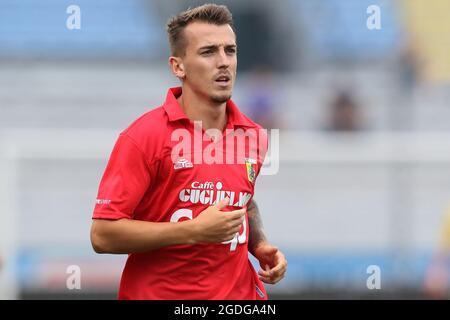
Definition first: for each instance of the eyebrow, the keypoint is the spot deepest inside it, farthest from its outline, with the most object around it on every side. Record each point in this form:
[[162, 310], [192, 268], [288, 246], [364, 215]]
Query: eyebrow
[[214, 46]]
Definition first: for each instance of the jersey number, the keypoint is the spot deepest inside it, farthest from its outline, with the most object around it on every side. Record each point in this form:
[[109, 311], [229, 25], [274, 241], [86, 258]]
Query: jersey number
[[238, 237]]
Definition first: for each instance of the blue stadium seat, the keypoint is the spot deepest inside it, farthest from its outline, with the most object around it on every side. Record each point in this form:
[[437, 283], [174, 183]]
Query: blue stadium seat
[[338, 29], [108, 28]]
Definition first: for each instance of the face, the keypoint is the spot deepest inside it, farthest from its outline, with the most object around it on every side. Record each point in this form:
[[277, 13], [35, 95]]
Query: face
[[209, 64]]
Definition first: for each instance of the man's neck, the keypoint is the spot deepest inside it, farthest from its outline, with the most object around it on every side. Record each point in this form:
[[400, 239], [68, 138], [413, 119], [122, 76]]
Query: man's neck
[[196, 108]]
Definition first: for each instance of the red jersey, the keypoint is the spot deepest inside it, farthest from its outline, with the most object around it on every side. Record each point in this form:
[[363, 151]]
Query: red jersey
[[160, 170]]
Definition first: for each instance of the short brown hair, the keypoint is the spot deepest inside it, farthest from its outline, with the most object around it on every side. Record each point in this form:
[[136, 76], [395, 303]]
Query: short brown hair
[[210, 13]]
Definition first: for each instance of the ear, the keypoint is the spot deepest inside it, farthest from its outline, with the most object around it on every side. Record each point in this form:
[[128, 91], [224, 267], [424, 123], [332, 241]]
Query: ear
[[177, 67]]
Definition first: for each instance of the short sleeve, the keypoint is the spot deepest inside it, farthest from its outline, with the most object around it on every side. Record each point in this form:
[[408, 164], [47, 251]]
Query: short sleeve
[[124, 182]]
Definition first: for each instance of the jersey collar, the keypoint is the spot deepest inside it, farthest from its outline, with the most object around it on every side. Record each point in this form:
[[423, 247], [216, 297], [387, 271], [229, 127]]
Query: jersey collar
[[175, 113]]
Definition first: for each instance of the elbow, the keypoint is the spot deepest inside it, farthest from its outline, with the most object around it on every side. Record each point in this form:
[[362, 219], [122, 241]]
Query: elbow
[[98, 242], [96, 245]]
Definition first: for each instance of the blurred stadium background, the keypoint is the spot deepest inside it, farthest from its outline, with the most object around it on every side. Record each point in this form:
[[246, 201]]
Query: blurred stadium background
[[364, 119]]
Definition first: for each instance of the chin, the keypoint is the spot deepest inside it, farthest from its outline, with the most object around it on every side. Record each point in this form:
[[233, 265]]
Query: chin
[[221, 97]]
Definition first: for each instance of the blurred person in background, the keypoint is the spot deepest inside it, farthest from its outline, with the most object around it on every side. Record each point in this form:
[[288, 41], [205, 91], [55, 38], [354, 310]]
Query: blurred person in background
[[437, 276], [261, 98], [409, 65], [343, 113], [160, 211]]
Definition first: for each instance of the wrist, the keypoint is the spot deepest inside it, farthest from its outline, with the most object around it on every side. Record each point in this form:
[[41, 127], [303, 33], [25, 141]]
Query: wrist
[[254, 245]]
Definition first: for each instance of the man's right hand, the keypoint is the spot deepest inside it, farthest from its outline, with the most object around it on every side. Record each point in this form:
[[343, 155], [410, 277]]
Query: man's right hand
[[214, 225]]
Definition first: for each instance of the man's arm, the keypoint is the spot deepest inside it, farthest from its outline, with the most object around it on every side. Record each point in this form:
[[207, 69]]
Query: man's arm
[[129, 236], [255, 225], [272, 261]]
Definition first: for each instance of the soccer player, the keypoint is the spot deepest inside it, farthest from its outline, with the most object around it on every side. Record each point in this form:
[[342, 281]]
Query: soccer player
[[186, 222]]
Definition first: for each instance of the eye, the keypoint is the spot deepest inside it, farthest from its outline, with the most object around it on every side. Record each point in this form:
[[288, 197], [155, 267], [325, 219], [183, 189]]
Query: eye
[[231, 50], [206, 53]]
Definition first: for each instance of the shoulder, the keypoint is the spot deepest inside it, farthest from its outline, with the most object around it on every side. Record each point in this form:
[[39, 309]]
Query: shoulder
[[155, 119], [148, 132]]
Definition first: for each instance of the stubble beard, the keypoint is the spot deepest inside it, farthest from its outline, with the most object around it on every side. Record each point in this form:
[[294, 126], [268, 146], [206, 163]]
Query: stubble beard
[[221, 98]]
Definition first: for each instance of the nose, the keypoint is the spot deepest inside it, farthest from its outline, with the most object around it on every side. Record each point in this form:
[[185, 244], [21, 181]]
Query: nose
[[223, 60]]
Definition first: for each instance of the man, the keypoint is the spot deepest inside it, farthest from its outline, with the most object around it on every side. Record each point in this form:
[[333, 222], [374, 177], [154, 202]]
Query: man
[[186, 224]]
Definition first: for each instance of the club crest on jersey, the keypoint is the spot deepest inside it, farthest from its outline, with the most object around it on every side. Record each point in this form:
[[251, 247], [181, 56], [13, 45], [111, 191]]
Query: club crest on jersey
[[182, 164], [250, 164]]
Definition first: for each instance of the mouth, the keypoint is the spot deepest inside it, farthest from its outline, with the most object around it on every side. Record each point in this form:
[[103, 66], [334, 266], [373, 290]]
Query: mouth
[[223, 80]]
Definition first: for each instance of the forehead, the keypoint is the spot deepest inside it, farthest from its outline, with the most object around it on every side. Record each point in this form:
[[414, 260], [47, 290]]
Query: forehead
[[199, 34]]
